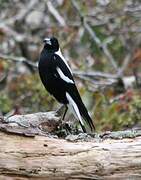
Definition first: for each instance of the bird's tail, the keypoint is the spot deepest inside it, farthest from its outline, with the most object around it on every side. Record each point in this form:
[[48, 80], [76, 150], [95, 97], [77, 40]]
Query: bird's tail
[[85, 115], [80, 110]]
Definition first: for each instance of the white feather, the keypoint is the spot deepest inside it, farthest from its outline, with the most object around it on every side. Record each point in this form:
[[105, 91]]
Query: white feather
[[65, 78], [74, 107], [48, 41], [61, 56]]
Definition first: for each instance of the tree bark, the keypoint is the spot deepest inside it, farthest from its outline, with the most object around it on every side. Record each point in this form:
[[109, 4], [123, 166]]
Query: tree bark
[[50, 158]]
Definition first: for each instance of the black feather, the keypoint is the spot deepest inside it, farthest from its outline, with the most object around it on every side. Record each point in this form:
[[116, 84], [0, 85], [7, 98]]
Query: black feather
[[57, 86]]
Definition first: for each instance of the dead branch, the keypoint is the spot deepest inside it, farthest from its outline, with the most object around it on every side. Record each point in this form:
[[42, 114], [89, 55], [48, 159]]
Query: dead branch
[[31, 124], [94, 77], [102, 46], [102, 80], [83, 158], [19, 59], [23, 13], [10, 32], [55, 14]]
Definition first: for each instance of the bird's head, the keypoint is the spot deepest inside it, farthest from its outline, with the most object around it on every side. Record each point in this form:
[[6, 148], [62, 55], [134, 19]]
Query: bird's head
[[51, 44]]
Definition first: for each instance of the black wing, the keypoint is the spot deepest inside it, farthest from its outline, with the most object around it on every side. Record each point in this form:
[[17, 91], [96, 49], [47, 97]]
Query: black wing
[[59, 63], [72, 90]]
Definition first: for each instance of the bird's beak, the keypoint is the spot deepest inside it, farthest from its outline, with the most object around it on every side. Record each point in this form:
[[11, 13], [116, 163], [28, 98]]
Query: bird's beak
[[47, 41]]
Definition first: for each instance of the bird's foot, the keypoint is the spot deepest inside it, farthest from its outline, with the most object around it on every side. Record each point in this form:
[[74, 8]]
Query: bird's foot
[[64, 130]]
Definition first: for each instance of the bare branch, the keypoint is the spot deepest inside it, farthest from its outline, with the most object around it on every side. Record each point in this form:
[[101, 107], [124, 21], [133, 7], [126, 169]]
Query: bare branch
[[93, 35], [56, 14], [10, 32], [18, 59], [23, 13], [124, 65], [95, 74]]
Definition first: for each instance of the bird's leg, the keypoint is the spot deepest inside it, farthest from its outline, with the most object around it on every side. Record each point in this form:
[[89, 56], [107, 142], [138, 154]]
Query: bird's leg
[[66, 109], [64, 128], [60, 109], [67, 126], [64, 124]]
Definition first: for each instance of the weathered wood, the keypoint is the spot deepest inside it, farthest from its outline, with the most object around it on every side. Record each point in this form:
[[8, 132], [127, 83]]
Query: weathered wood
[[42, 157], [110, 155], [31, 124]]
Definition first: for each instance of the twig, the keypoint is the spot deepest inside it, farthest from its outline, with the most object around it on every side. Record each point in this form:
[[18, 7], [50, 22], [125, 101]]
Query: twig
[[133, 9], [18, 59], [10, 32], [93, 35], [23, 13], [124, 65], [56, 14], [87, 76], [95, 74]]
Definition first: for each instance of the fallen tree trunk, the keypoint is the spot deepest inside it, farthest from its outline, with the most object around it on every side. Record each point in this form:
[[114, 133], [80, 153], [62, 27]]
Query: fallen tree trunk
[[43, 157]]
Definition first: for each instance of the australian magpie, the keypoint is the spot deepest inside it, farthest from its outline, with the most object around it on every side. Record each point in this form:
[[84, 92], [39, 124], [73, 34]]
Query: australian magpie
[[57, 78]]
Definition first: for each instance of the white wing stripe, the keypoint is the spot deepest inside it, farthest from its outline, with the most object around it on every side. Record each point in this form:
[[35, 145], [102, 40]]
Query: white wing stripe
[[74, 107], [61, 56], [65, 78]]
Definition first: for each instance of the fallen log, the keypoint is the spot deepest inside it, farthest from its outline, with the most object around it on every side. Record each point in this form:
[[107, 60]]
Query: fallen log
[[104, 156]]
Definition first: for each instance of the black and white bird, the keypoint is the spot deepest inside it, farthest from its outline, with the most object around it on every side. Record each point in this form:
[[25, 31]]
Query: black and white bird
[[57, 78]]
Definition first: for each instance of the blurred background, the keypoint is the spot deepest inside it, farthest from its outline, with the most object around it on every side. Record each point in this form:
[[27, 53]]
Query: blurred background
[[101, 39]]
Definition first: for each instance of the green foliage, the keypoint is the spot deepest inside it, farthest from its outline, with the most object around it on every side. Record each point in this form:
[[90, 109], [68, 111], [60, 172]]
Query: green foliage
[[117, 50], [31, 93], [123, 113], [5, 103], [4, 3], [136, 109], [25, 91]]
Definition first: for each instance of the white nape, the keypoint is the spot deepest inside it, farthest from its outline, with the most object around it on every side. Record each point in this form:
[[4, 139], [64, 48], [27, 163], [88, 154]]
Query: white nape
[[59, 53], [65, 78], [74, 108]]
